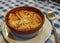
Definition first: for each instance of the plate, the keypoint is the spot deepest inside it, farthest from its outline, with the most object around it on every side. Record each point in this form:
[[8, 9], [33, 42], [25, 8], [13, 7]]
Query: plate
[[42, 36]]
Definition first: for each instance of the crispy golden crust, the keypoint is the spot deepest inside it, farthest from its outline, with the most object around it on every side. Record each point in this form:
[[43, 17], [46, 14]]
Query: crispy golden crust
[[24, 21]]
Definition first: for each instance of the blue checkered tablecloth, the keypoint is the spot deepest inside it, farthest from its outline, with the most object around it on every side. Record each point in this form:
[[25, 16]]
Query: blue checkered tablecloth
[[7, 5]]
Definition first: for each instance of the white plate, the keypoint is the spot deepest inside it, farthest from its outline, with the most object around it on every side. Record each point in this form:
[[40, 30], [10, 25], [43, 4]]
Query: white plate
[[42, 36]]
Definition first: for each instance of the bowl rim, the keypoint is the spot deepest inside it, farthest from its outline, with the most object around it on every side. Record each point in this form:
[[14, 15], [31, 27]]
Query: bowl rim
[[13, 30]]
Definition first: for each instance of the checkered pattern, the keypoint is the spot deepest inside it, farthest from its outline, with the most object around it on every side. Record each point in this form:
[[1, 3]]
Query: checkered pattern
[[7, 5]]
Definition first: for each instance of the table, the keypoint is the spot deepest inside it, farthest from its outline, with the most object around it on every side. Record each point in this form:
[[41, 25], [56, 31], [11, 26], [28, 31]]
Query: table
[[7, 5]]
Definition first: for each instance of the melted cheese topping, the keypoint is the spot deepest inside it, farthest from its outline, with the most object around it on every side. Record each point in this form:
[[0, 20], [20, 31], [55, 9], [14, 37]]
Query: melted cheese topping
[[24, 19]]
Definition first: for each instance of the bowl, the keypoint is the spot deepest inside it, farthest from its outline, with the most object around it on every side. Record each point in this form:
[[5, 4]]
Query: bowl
[[32, 30]]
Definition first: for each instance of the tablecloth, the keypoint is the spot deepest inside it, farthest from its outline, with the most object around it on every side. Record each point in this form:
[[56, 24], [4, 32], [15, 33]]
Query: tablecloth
[[7, 5]]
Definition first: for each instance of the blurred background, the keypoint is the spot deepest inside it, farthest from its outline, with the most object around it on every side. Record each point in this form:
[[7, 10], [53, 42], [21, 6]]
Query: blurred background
[[57, 1]]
